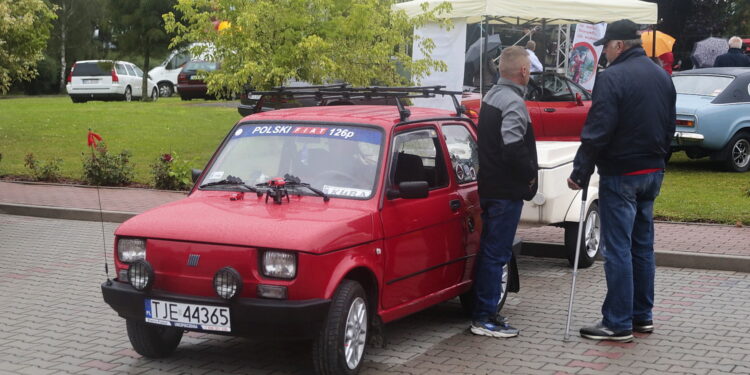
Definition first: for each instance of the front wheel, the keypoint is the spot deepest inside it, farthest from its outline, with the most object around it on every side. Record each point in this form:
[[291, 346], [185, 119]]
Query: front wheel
[[590, 241], [153, 341], [738, 152], [154, 95], [340, 346], [128, 94], [165, 90], [467, 299]]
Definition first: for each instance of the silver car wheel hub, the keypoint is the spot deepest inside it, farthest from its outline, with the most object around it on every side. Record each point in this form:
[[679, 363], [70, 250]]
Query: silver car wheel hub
[[355, 333], [741, 153], [592, 234]]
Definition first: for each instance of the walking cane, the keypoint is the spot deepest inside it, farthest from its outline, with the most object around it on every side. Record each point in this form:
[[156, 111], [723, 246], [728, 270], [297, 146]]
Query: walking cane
[[581, 223]]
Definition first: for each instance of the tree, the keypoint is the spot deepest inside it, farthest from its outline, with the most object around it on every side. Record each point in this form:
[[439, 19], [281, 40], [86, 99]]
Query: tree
[[138, 27], [24, 29], [269, 42]]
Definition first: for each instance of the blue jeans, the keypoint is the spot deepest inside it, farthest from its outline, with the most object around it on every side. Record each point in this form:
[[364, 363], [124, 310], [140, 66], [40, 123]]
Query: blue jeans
[[499, 222], [626, 206]]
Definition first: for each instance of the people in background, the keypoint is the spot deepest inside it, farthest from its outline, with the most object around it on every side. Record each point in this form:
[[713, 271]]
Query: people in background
[[733, 57], [536, 65]]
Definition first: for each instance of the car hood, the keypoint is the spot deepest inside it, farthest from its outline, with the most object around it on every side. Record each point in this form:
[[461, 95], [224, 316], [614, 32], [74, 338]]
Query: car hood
[[305, 224], [690, 104]]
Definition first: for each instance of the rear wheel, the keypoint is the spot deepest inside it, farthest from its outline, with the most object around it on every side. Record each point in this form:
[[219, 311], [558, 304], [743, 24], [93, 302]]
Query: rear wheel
[[467, 299], [153, 341], [590, 241], [128, 94], [165, 90], [340, 346], [737, 152], [77, 100]]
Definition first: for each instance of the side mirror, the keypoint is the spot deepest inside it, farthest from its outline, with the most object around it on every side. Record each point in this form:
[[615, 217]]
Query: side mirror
[[196, 173], [579, 99], [410, 190]]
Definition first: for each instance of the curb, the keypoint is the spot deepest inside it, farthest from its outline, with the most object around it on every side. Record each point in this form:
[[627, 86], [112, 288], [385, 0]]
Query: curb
[[536, 249], [664, 258], [65, 213]]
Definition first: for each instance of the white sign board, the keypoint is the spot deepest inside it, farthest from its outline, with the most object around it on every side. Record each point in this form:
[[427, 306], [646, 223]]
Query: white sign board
[[449, 47]]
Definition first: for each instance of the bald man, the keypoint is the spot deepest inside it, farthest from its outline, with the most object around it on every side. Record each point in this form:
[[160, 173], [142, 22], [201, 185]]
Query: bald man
[[507, 175]]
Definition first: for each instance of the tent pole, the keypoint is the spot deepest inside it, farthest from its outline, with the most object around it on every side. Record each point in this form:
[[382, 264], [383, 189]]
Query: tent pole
[[482, 49]]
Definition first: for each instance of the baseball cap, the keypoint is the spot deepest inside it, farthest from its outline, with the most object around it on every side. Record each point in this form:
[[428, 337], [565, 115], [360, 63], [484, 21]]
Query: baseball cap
[[619, 30]]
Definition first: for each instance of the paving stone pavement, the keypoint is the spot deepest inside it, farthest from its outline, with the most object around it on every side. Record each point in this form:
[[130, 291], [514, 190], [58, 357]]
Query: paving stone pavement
[[53, 321]]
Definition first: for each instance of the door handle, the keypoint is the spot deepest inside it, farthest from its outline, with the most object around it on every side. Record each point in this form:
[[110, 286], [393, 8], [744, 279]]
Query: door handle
[[455, 205], [549, 110]]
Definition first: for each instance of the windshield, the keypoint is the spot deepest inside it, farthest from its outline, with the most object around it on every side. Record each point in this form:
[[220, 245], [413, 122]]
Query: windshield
[[701, 84], [341, 161]]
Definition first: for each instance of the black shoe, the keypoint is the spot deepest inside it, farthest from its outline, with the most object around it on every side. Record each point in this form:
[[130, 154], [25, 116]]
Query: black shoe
[[645, 326], [601, 332]]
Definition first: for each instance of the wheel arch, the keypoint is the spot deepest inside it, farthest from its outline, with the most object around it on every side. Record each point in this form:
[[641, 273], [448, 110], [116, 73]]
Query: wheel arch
[[574, 213], [365, 277]]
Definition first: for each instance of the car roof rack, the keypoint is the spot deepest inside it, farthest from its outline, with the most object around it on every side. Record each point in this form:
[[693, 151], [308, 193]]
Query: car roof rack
[[345, 91]]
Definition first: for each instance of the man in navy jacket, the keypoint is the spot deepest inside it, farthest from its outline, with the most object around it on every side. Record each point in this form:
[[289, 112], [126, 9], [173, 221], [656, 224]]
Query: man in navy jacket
[[627, 135], [734, 57]]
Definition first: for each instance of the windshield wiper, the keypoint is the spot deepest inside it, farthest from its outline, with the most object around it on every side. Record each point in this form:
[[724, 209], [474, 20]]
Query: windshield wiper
[[230, 180]]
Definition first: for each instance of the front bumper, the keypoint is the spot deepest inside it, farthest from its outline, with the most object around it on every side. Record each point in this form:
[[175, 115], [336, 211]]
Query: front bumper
[[249, 316], [688, 139]]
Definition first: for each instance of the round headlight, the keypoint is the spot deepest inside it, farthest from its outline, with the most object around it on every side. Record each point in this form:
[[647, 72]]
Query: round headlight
[[227, 283], [141, 275]]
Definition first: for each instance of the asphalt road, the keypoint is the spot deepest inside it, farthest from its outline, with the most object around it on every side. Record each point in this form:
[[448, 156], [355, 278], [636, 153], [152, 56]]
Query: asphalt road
[[53, 320]]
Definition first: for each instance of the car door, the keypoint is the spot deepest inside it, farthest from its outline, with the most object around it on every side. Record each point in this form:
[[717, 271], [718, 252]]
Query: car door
[[463, 155], [561, 115], [135, 82], [418, 255]]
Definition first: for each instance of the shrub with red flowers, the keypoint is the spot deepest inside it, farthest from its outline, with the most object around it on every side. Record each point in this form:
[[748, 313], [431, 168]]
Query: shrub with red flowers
[[171, 173], [103, 168]]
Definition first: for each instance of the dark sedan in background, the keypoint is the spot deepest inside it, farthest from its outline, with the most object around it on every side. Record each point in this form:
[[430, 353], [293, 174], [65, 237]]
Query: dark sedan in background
[[190, 81]]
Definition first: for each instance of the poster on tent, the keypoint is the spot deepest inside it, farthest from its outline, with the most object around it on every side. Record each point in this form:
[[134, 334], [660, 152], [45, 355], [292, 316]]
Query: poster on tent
[[447, 44], [584, 55]]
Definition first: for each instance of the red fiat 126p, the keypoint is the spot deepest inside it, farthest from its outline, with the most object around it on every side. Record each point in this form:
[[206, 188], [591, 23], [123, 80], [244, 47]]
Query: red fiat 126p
[[321, 222]]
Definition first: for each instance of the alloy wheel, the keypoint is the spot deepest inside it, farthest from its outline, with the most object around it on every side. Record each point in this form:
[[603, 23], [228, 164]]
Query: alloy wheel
[[741, 153], [592, 234], [356, 333]]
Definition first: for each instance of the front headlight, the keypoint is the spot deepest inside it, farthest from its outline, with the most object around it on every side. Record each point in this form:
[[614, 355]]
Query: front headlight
[[279, 264], [131, 249]]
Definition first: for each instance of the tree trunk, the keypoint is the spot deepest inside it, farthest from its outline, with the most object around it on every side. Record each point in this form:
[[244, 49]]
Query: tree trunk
[[145, 94], [63, 32]]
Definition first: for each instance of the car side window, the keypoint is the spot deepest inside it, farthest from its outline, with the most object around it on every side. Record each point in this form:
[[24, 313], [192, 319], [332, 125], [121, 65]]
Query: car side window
[[417, 157], [120, 69], [138, 71], [130, 70], [585, 95], [557, 90], [463, 152], [178, 60]]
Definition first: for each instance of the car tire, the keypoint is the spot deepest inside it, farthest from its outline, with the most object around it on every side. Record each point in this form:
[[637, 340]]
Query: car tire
[[590, 241], [185, 98], [165, 90], [340, 345], [154, 95], [737, 152], [153, 341], [467, 299], [128, 96], [78, 100]]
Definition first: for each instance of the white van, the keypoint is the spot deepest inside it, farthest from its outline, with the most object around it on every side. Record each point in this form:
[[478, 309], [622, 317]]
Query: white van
[[165, 75], [106, 80]]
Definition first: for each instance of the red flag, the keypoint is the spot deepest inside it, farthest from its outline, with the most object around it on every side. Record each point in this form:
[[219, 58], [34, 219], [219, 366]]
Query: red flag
[[93, 138]]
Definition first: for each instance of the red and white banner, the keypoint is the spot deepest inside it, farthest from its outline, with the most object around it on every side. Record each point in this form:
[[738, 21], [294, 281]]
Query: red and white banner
[[584, 56]]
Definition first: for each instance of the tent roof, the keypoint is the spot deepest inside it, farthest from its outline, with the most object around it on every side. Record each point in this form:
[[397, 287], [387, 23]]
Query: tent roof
[[533, 11]]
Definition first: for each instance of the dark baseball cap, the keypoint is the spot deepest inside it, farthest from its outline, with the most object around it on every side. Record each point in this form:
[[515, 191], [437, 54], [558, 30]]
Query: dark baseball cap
[[619, 30]]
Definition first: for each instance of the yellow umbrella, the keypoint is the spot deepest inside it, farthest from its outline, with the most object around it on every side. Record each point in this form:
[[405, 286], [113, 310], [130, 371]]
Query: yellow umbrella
[[664, 43]]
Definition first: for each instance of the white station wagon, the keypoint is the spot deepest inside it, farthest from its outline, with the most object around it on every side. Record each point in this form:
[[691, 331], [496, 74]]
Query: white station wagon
[[106, 80]]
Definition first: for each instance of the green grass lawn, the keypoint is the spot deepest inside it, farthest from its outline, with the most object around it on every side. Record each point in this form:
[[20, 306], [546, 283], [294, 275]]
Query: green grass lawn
[[54, 127]]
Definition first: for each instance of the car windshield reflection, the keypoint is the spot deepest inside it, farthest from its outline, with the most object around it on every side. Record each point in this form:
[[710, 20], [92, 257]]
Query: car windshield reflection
[[341, 161]]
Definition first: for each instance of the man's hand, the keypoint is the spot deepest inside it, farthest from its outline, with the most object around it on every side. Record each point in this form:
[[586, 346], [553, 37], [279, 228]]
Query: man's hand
[[532, 182], [572, 185]]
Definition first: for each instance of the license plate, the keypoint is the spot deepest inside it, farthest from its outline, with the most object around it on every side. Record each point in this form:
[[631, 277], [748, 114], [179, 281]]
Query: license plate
[[196, 78], [90, 81], [254, 97], [188, 315]]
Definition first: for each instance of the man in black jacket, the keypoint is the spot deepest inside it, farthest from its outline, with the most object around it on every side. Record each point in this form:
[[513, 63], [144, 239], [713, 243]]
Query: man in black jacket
[[734, 57], [507, 175], [627, 135]]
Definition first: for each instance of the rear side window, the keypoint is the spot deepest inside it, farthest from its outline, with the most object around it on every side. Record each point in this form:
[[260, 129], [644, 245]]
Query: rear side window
[[417, 157], [131, 72], [120, 69], [102, 68]]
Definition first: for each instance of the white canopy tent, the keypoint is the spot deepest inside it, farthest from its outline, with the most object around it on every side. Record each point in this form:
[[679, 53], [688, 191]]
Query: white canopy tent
[[553, 12], [514, 12]]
